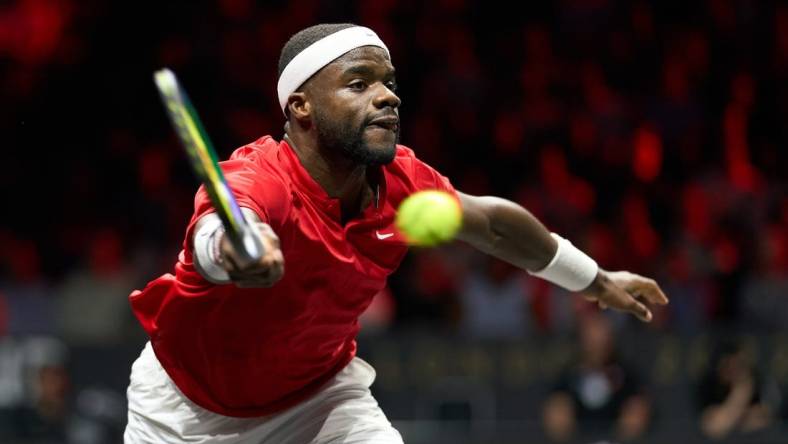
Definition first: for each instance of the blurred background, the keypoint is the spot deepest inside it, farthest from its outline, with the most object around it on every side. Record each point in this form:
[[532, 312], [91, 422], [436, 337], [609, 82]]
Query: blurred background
[[651, 133]]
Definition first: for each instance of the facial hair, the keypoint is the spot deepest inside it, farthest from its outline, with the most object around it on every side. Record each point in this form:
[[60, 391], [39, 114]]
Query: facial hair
[[342, 136]]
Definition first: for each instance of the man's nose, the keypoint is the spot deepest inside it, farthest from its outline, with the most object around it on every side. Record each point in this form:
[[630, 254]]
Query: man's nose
[[386, 97]]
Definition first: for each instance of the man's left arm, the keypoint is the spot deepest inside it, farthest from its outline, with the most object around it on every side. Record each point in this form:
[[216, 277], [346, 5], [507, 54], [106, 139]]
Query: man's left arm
[[509, 232]]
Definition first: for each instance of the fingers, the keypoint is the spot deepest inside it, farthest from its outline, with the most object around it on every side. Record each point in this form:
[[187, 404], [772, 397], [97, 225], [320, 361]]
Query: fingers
[[611, 293], [653, 293], [640, 310], [640, 287], [267, 234], [620, 299], [262, 273]]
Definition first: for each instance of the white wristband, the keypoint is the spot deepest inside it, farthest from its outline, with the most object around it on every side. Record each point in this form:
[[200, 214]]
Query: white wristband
[[206, 252], [570, 268]]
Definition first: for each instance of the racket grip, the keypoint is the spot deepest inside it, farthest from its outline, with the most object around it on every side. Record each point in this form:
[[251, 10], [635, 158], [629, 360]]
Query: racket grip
[[249, 245]]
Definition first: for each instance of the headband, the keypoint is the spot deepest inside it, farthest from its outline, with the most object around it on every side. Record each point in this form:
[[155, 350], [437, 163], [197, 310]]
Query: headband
[[319, 54]]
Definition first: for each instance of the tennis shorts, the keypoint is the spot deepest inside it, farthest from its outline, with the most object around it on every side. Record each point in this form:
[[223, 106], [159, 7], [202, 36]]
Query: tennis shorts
[[343, 411]]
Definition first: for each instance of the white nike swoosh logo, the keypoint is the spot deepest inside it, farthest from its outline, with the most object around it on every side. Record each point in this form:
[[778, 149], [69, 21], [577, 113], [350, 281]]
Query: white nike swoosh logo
[[383, 236]]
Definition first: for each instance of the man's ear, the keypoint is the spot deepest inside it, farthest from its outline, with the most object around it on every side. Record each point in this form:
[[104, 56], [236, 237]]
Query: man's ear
[[299, 106]]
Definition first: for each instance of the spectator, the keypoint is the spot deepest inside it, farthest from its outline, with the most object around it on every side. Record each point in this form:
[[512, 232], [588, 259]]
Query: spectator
[[597, 396], [732, 397], [93, 306], [493, 301], [39, 412]]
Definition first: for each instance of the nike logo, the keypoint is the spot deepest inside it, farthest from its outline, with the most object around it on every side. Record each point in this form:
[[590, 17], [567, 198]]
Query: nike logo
[[383, 236]]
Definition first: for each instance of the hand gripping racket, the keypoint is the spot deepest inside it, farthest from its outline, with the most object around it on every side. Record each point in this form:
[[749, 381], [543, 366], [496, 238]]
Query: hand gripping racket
[[203, 161]]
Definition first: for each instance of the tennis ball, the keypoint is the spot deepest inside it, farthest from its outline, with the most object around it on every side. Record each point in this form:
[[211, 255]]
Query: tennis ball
[[428, 218]]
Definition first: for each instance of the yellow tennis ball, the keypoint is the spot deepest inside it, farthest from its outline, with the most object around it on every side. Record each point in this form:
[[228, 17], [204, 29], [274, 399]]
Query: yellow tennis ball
[[428, 218]]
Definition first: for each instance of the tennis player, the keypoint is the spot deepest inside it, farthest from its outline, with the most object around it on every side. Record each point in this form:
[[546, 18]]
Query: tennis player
[[264, 352]]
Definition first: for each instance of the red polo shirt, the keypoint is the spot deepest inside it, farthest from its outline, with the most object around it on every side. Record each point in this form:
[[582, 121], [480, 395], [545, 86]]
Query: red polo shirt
[[251, 352]]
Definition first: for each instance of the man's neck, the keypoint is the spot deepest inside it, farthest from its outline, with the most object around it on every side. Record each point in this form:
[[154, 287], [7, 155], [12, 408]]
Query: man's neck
[[339, 177]]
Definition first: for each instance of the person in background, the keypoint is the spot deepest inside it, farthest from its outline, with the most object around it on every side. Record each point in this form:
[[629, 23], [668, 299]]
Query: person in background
[[597, 396], [494, 302], [732, 397], [42, 413]]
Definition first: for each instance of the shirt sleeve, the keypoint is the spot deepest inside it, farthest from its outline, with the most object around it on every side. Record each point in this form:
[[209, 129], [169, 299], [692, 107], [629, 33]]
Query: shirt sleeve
[[252, 186], [427, 178]]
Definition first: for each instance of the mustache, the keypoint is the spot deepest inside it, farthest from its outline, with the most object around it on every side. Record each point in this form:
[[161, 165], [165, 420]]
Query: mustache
[[386, 118]]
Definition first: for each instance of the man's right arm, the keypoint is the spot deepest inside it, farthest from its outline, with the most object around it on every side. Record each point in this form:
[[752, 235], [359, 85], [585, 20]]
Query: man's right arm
[[217, 261]]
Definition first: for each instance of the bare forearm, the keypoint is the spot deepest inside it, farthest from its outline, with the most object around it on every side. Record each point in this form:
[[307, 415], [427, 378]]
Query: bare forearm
[[718, 420], [509, 232]]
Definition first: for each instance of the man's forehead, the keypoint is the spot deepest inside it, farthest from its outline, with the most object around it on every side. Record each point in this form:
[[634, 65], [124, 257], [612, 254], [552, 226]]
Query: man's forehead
[[365, 58], [367, 55]]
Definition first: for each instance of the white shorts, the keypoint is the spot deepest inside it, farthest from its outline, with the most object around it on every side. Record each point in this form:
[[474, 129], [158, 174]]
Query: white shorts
[[343, 411]]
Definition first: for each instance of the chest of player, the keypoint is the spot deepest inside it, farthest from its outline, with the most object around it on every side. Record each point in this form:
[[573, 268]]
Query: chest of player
[[353, 257]]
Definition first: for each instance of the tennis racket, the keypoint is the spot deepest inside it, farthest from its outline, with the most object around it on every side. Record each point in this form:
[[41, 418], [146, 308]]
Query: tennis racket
[[204, 163]]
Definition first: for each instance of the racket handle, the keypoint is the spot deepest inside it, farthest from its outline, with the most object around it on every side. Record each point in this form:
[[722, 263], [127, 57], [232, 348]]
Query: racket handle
[[248, 245]]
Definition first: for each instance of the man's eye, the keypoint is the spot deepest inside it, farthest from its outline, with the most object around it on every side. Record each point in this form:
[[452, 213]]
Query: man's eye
[[392, 86], [358, 85]]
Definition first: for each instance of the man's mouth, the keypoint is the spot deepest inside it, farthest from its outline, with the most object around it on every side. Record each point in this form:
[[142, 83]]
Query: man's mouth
[[390, 123]]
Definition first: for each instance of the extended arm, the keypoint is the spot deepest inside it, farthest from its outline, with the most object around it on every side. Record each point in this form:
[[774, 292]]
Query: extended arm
[[509, 232]]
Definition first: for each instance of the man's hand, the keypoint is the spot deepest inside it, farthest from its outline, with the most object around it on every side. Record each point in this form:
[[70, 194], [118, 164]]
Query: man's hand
[[625, 291], [263, 273]]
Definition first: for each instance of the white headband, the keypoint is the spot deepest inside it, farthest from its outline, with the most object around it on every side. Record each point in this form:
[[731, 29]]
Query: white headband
[[321, 53]]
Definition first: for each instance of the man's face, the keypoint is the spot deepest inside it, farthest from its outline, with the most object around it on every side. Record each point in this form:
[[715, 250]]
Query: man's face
[[354, 106]]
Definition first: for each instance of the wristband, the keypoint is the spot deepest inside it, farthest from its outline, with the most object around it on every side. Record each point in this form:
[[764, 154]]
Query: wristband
[[570, 268], [206, 252]]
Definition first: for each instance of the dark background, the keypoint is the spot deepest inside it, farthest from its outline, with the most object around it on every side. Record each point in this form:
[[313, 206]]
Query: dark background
[[651, 133]]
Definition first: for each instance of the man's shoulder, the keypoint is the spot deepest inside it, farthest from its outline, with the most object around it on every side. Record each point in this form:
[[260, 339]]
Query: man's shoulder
[[263, 155], [407, 162], [264, 148], [404, 160], [259, 176], [407, 174]]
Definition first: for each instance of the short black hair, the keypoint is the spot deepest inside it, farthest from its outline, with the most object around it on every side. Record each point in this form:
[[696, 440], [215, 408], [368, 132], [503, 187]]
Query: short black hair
[[302, 39]]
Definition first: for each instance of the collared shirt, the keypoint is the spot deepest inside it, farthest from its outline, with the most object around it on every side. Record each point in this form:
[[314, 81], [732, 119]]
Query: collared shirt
[[251, 352]]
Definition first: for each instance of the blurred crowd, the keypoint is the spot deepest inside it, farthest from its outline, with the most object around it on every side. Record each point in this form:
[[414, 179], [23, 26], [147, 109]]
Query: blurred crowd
[[648, 132]]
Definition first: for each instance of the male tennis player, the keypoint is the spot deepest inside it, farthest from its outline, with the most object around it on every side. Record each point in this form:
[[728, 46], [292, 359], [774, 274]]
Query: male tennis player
[[248, 353]]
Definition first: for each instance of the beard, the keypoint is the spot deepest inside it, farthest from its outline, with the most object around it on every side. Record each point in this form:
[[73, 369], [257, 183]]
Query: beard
[[343, 137]]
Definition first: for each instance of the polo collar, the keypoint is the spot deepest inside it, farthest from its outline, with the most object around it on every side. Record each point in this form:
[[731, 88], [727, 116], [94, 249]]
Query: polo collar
[[331, 205]]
